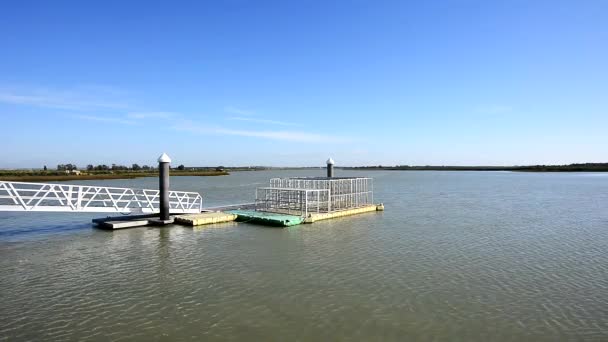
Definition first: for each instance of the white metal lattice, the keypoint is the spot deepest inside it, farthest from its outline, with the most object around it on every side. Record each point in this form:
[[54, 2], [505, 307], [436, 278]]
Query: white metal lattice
[[304, 195], [344, 192], [292, 201], [21, 196]]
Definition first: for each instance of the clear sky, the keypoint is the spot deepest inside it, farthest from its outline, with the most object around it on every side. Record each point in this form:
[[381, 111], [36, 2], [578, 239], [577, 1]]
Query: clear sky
[[294, 82]]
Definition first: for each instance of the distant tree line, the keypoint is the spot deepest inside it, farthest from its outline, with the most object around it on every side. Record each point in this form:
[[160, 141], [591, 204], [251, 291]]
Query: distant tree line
[[136, 167], [116, 167], [586, 167], [114, 171], [65, 167]]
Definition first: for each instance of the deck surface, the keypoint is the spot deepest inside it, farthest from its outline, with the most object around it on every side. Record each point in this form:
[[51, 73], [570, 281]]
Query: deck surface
[[124, 221], [205, 218], [265, 218], [314, 217], [240, 215]]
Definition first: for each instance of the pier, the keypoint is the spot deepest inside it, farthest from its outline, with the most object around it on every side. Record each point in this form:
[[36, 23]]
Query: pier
[[284, 202]]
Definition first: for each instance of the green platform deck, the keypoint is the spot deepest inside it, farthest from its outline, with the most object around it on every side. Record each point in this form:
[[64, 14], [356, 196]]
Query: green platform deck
[[269, 219]]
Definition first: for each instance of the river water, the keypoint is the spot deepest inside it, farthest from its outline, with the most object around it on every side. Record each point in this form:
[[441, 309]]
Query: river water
[[472, 256]]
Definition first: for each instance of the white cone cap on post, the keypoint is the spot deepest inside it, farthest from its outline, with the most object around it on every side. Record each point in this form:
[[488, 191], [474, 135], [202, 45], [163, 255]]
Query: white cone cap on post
[[164, 158], [330, 161]]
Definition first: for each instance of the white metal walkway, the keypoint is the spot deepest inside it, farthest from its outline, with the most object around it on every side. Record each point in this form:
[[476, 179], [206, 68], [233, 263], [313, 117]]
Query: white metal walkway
[[20, 196]]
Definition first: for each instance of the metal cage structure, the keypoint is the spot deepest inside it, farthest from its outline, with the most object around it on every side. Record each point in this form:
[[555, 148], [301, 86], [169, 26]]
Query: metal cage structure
[[292, 201], [303, 195]]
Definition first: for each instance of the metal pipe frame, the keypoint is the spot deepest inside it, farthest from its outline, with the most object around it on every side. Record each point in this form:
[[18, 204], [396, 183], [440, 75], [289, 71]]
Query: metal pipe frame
[[292, 201], [344, 192]]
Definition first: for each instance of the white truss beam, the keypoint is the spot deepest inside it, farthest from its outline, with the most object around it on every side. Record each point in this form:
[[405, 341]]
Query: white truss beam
[[21, 196]]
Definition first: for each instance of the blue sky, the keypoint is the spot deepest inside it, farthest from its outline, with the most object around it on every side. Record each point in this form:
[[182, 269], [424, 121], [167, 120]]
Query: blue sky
[[293, 82]]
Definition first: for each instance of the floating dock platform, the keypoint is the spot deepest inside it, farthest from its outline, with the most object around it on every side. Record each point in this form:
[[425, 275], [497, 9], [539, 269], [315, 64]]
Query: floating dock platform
[[127, 221], [243, 215], [286, 202], [122, 222], [314, 217], [267, 218], [205, 218], [285, 220]]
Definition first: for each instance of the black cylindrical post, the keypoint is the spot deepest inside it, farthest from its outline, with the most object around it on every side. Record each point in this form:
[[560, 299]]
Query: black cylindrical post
[[163, 184], [330, 168]]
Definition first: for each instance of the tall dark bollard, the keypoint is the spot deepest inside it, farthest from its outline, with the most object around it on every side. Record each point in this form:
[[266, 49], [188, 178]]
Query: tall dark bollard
[[330, 168], [163, 185]]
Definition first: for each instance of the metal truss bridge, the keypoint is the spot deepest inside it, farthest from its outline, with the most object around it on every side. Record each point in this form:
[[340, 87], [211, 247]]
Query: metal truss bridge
[[20, 196]]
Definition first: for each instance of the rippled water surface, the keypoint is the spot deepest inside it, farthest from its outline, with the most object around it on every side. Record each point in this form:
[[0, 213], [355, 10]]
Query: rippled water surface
[[456, 256]]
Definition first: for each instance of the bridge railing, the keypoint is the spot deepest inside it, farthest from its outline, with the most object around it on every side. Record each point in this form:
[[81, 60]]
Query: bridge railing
[[21, 196]]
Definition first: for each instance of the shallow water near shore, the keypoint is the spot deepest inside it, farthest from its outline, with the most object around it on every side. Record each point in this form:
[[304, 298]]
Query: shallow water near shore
[[455, 256]]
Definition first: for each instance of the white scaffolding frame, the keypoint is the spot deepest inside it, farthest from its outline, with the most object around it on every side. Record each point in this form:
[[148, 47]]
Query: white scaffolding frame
[[344, 192], [302, 196], [292, 201]]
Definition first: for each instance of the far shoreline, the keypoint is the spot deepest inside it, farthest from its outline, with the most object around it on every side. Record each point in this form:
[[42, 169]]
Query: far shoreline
[[105, 176], [587, 167]]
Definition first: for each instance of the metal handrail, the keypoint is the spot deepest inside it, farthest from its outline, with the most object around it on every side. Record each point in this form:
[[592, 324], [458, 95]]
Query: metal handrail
[[22, 196]]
